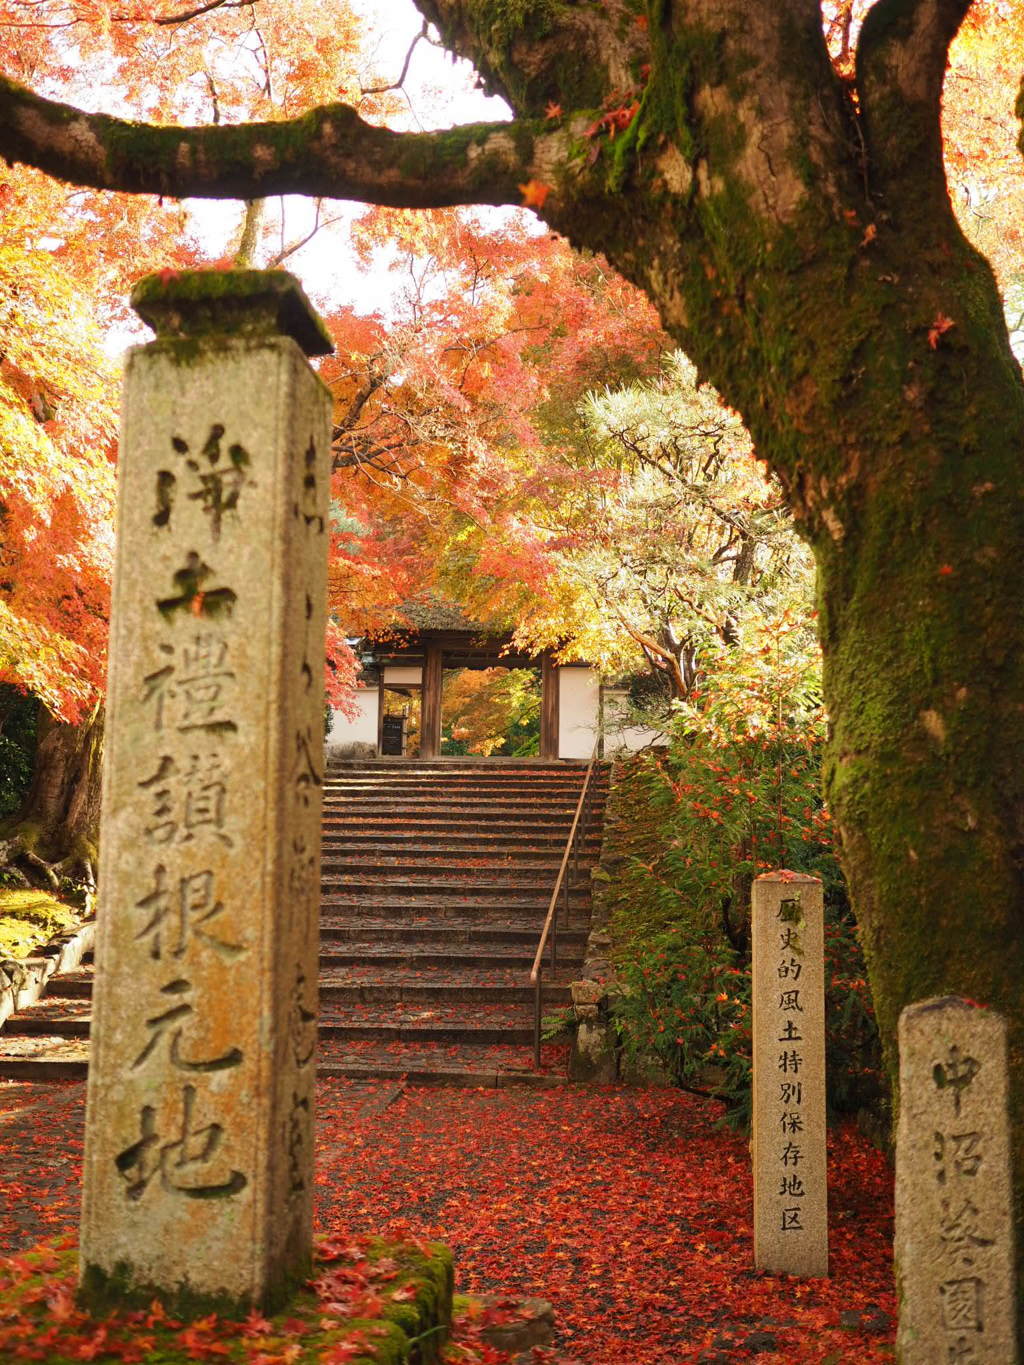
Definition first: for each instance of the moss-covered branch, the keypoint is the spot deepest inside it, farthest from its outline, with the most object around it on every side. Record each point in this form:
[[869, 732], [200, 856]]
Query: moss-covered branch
[[329, 151], [536, 51], [901, 66]]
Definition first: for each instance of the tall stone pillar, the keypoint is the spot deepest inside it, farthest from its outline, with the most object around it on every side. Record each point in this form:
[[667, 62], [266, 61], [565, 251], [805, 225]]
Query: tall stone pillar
[[955, 1250], [790, 1173], [198, 1157]]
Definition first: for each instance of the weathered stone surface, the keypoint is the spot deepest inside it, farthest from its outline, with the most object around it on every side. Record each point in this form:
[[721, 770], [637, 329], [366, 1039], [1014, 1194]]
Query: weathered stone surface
[[587, 992], [593, 1055], [790, 1174], [197, 1175], [517, 1326], [954, 1230]]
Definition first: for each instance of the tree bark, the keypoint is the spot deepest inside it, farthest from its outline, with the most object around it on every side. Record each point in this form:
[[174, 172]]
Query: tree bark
[[55, 834]]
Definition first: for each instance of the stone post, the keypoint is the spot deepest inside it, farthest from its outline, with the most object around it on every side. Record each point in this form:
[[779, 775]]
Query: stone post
[[954, 1197], [198, 1155], [790, 1173]]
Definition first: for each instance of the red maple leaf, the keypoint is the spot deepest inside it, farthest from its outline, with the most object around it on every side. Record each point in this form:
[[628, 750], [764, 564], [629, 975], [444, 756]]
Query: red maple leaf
[[939, 327], [534, 193]]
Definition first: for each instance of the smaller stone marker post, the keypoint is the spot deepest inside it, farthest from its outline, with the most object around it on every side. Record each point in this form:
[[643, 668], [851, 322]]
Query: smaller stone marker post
[[790, 1175], [197, 1180], [954, 1198]]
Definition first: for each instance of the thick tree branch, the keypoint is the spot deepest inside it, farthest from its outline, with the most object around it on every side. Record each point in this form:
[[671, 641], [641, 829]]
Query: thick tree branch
[[536, 52], [170, 20], [330, 152], [197, 12], [901, 66]]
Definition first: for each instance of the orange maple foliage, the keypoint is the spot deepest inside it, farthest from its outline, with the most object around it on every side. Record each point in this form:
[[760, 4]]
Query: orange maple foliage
[[440, 412], [68, 260]]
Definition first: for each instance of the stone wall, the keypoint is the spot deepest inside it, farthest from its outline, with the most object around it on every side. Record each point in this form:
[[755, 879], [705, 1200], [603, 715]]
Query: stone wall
[[23, 980]]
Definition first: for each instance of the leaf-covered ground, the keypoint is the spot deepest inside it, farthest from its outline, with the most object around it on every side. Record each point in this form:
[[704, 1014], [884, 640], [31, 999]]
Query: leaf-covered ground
[[629, 1209]]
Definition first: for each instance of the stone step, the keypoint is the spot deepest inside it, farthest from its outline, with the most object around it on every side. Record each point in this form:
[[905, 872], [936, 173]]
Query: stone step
[[498, 763], [33, 1031], [75, 985], [475, 843], [413, 842], [339, 904], [444, 886], [545, 782], [554, 994], [417, 1064], [388, 799], [442, 827], [436, 883], [516, 958], [500, 1064], [456, 932], [360, 910], [387, 982], [390, 794], [411, 773], [413, 800], [384, 870]]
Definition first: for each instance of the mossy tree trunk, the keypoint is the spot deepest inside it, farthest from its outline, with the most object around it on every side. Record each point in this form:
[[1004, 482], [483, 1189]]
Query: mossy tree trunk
[[55, 834]]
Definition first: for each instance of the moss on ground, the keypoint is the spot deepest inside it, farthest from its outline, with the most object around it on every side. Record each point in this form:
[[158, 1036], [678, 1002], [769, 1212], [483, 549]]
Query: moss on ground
[[29, 919], [370, 1302]]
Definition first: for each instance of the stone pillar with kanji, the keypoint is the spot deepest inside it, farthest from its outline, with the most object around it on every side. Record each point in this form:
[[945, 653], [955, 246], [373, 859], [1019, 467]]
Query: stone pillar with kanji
[[789, 1151], [198, 1156], [955, 1250]]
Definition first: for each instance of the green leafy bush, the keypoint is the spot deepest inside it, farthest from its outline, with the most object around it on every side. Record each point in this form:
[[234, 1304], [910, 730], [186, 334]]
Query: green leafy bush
[[17, 746], [736, 793]]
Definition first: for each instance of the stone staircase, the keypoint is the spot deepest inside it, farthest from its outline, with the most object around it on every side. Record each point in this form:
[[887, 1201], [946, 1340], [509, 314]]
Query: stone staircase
[[436, 880]]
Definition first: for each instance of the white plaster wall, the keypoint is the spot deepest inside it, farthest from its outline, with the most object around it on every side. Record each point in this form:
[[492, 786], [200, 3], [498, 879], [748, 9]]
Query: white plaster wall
[[579, 710], [344, 733], [397, 674], [618, 736]]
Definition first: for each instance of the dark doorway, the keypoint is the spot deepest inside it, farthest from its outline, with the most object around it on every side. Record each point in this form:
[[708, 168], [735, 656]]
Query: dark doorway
[[400, 723]]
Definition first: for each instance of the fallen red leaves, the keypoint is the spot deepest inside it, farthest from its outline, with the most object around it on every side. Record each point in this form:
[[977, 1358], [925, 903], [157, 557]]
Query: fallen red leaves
[[628, 1209]]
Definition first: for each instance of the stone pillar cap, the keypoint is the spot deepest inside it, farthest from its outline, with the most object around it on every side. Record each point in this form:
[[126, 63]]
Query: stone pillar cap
[[784, 875], [192, 304]]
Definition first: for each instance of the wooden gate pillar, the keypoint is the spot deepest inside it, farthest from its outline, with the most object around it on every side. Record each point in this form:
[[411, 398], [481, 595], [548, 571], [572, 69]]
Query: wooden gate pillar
[[430, 722], [548, 707]]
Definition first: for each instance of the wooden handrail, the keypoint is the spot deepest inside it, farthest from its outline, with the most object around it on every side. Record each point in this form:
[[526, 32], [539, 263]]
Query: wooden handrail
[[536, 970]]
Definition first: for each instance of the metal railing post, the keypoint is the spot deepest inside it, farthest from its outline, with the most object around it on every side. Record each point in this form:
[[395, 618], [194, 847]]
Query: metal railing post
[[536, 1021]]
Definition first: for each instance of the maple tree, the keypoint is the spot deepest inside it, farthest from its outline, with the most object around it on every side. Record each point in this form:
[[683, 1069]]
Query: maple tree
[[57, 422], [492, 710], [441, 408], [652, 533], [68, 260]]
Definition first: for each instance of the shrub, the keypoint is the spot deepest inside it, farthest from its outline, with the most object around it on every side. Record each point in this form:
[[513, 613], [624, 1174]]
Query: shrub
[[736, 793], [17, 746]]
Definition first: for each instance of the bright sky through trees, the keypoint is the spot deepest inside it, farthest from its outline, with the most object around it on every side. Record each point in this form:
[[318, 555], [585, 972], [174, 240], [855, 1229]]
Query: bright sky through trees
[[438, 92]]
